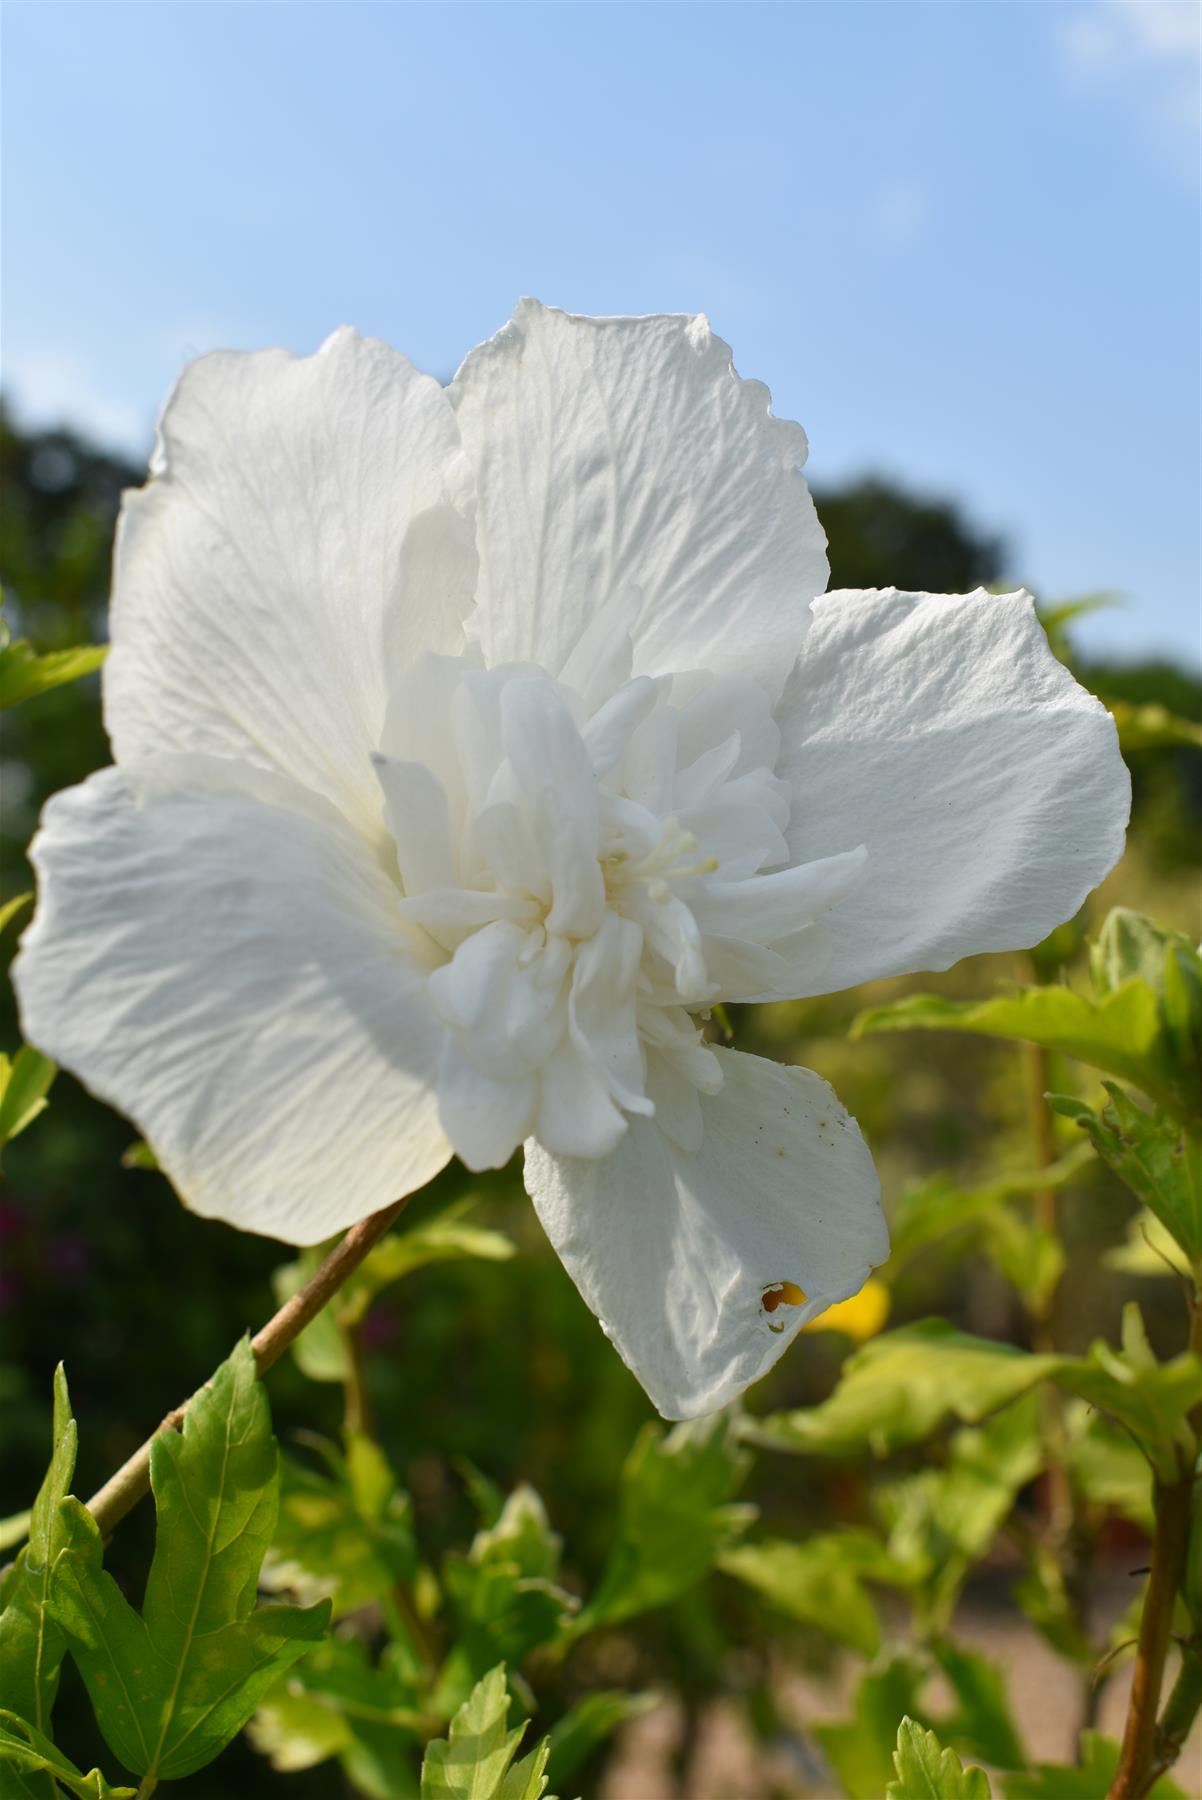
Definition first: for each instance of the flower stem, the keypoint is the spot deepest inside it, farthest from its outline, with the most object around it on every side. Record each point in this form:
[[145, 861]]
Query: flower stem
[[1145, 1746], [123, 1490]]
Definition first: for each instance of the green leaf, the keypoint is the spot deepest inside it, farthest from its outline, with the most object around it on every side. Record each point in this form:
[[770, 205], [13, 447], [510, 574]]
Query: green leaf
[[346, 1536], [1042, 1596], [1089, 1780], [1148, 1250], [447, 1238], [1130, 946], [337, 1703], [31, 1643], [1150, 726], [1121, 1033], [1105, 1467], [1153, 1400], [1157, 1158], [861, 1751], [939, 1207], [1027, 1256], [504, 1595], [320, 1349], [14, 1530], [819, 1581], [586, 1725], [982, 1724], [24, 674], [900, 1386], [674, 1518], [12, 907], [172, 1686], [26, 1751], [942, 1520], [925, 1771], [474, 1763], [24, 1083]]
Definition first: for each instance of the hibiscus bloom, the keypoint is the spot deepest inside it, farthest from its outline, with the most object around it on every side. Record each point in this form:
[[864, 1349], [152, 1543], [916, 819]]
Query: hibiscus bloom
[[471, 744]]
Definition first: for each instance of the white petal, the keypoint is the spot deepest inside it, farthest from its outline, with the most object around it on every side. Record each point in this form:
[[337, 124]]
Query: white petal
[[765, 907], [616, 453], [298, 540], [415, 807], [227, 968], [575, 1110], [675, 1253], [486, 1118], [554, 772], [985, 783]]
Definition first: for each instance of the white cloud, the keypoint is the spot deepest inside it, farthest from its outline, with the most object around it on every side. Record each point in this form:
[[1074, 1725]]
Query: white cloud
[[1147, 54]]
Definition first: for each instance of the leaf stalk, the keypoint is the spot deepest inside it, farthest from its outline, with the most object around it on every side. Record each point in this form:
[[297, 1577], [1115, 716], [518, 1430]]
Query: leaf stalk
[[122, 1491]]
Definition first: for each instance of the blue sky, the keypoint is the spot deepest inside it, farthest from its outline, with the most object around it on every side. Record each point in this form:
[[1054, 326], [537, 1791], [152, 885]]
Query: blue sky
[[959, 239]]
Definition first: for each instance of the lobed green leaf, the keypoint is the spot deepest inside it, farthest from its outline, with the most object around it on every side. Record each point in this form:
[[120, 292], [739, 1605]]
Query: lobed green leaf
[[172, 1686], [926, 1771], [475, 1762], [32, 1645], [26, 1751]]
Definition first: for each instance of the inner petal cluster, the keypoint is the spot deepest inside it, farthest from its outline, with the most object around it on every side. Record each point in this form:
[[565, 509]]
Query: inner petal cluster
[[595, 861]]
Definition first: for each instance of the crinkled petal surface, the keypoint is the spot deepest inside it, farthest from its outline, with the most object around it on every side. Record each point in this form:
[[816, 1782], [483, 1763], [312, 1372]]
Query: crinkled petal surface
[[986, 784], [618, 455], [223, 964], [702, 1266], [298, 540]]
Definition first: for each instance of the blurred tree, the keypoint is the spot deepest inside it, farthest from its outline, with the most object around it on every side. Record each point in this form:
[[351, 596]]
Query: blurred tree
[[882, 536]]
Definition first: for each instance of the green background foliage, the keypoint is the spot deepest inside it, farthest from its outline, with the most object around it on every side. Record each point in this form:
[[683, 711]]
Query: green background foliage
[[497, 1492]]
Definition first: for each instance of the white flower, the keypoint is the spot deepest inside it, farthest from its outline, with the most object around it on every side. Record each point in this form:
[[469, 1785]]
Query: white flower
[[470, 745]]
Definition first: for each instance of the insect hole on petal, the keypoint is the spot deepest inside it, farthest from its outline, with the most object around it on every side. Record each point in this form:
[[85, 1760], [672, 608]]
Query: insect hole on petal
[[781, 1293]]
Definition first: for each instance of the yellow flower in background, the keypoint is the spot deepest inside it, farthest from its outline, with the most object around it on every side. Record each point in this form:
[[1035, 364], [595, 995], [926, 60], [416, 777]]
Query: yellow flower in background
[[859, 1318]]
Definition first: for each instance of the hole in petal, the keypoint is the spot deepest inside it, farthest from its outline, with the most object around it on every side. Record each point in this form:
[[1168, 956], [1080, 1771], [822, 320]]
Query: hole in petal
[[781, 1293]]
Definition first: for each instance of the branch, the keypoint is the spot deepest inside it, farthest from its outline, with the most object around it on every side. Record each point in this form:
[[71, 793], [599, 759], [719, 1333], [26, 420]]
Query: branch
[[121, 1493]]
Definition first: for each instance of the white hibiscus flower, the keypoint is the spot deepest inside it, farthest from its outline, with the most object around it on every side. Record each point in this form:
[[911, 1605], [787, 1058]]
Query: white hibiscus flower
[[471, 744]]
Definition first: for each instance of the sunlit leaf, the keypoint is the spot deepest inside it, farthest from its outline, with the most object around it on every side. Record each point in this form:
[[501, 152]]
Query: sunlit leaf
[[12, 907], [475, 1762], [939, 1207], [1121, 1033], [26, 1751], [1147, 725], [172, 1686], [338, 1702], [675, 1517], [31, 1643], [899, 1387], [1158, 1159], [820, 1581], [1152, 1400], [926, 1771], [347, 1535], [1147, 1250], [24, 674], [24, 1083]]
